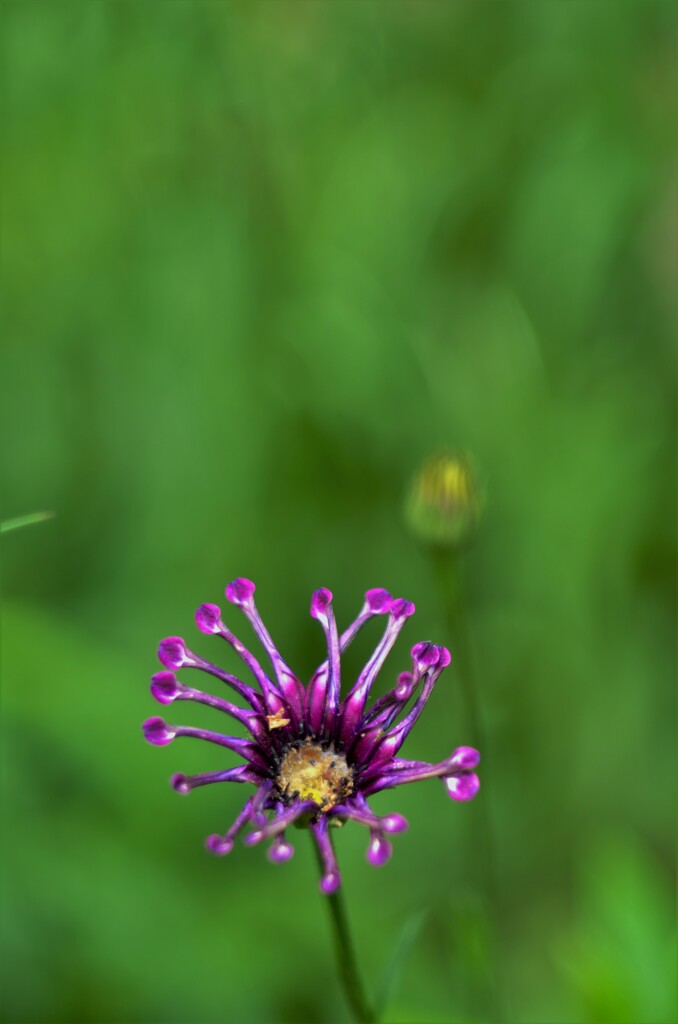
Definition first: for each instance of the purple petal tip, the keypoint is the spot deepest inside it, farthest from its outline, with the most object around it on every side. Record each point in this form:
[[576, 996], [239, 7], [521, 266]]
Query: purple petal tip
[[280, 852], [164, 687], [219, 845], [394, 823], [425, 655], [172, 653], [157, 731], [240, 591], [330, 883], [378, 600], [462, 787], [179, 783], [208, 618], [379, 850], [320, 602], [445, 657], [465, 757], [401, 609]]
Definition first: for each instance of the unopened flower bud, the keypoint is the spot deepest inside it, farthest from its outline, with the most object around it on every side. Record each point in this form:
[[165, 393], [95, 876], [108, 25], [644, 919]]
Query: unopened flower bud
[[444, 501]]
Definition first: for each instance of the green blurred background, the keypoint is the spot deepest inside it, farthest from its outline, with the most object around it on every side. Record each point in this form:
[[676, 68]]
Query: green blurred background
[[259, 261]]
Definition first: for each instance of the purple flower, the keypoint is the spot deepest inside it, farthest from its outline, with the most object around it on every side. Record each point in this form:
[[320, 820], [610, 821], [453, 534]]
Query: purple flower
[[312, 755]]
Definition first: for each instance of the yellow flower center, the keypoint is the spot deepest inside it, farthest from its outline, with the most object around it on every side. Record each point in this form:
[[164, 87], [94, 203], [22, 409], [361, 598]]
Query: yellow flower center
[[310, 773]]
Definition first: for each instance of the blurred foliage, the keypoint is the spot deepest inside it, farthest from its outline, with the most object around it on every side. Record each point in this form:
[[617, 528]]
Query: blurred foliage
[[31, 519], [259, 260]]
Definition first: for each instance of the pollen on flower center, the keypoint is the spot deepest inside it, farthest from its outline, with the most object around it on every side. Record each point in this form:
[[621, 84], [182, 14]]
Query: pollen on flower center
[[309, 772]]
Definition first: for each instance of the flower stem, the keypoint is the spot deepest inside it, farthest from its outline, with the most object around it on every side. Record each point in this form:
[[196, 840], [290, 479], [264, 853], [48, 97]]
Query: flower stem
[[345, 953]]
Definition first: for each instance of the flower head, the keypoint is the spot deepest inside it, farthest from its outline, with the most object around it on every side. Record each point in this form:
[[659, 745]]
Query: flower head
[[312, 755]]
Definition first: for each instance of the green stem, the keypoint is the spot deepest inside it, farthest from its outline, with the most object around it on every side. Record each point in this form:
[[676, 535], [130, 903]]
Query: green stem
[[448, 579], [346, 958]]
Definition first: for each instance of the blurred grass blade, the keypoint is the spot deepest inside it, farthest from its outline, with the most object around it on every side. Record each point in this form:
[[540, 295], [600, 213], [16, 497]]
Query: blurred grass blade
[[402, 947], [29, 520]]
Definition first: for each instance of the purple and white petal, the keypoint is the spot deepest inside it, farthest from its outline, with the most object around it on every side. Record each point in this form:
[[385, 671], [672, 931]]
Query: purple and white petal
[[296, 810], [222, 845], [452, 767], [331, 878], [174, 654], [166, 689], [386, 748], [377, 602], [321, 609], [160, 733], [181, 783], [208, 620], [241, 592], [353, 705], [280, 850]]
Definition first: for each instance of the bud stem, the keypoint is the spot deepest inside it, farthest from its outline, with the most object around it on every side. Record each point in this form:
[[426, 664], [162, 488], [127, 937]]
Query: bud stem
[[446, 569], [345, 954]]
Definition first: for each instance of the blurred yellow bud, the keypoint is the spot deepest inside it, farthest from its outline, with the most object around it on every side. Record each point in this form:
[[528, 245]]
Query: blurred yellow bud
[[444, 501]]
